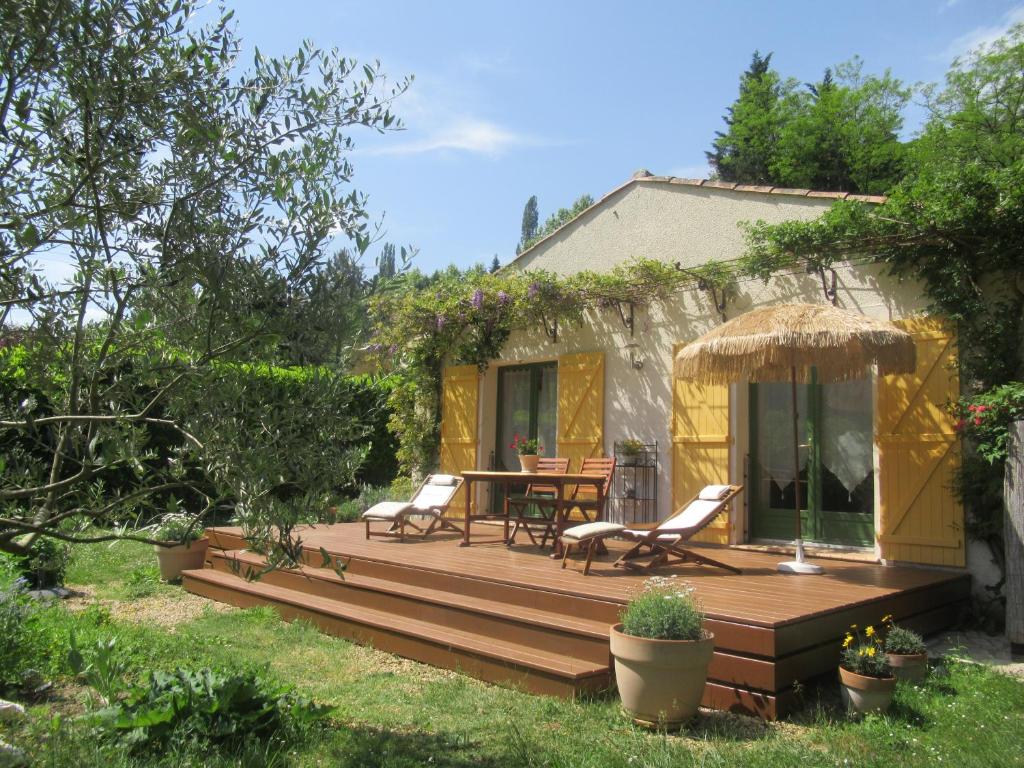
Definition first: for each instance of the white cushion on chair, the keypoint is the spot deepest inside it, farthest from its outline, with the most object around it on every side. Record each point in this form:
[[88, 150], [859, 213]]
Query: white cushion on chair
[[692, 514], [386, 510], [670, 537], [442, 480], [590, 530], [714, 492]]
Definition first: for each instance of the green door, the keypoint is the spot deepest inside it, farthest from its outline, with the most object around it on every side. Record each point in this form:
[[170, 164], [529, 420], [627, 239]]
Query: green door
[[837, 479]]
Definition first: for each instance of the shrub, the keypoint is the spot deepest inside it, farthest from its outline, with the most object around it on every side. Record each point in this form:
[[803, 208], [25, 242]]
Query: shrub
[[142, 581], [46, 563], [864, 654], [352, 509], [205, 707], [18, 641], [903, 642], [665, 610]]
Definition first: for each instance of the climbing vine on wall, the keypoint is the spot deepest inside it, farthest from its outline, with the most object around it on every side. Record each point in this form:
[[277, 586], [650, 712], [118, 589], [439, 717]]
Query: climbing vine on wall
[[465, 317]]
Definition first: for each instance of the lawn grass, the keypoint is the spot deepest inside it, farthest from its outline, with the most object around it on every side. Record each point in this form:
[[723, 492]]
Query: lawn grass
[[391, 712]]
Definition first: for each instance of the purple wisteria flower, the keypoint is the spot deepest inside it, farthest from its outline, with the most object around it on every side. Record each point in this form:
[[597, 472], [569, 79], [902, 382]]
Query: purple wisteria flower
[[503, 298], [533, 290], [478, 299], [392, 349]]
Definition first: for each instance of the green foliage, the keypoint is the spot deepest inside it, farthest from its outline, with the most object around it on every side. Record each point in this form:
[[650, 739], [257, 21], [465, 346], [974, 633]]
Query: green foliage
[[841, 133], [466, 317], [864, 652], [903, 642], [16, 617], [350, 510], [558, 219], [103, 667], [665, 610], [754, 122], [986, 417], [526, 446], [46, 563], [206, 707], [178, 527], [142, 581], [955, 224], [198, 200], [531, 220]]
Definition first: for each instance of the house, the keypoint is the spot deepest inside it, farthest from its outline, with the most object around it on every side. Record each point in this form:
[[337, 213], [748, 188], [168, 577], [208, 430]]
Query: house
[[879, 463], [879, 454]]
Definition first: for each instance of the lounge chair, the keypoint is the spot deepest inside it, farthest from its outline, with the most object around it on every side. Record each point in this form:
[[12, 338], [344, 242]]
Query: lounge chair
[[539, 496], [431, 500], [663, 543]]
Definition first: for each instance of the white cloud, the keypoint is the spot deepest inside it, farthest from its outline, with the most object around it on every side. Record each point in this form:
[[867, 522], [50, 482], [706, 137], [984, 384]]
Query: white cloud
[[701, 171], [983, 35], [470, 135]]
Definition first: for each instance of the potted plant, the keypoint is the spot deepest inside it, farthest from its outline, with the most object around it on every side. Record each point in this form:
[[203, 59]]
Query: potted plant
[[864, 671], [529, 450], [906, 652], [190, 550], [661, 654], [631, 451]]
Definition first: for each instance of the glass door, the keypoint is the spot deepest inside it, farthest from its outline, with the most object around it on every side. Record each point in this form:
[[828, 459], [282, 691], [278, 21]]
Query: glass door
[[836, 462], [527, 406]]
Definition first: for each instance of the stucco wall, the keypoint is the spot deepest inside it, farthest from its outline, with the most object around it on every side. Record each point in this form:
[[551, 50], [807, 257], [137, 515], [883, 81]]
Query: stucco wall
[[669, 222], [638, 403]]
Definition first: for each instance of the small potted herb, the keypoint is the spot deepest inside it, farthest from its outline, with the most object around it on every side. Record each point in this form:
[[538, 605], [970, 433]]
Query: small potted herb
[[632, 450], [529, 450], [662, 653], [864, 671], [906, 652], [188, 550]]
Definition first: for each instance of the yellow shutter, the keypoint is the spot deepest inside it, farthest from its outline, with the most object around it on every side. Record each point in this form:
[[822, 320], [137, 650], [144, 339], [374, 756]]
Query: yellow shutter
[[459, 392], [580, 408], [701, 442], [921, 519]]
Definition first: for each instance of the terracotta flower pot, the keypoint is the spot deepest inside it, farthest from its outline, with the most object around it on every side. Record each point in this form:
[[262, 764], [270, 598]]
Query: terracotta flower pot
[[866, 694], [528, 462], [660, 682], [183, 557], [911, 667]]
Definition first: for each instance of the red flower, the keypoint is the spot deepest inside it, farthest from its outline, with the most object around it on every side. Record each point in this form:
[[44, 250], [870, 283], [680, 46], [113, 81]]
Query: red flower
[[981, 409], [960, 424], [977, 421], [972, 408]]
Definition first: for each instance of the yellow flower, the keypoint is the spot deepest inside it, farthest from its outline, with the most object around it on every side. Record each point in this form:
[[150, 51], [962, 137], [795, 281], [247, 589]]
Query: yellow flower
[[869, 631], [870, 650], [887, 618], [847, 640]]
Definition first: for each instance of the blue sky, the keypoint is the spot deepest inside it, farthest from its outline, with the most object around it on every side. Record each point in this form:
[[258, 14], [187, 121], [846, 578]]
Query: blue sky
[[561, 98]]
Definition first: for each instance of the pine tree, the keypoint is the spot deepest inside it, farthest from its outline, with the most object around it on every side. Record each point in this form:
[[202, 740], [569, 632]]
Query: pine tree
[[495, 264], [531, 220], [744, 152]]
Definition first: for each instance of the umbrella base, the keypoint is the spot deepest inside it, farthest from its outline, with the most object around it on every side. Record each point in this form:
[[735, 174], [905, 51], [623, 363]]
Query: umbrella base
[[803, 568]]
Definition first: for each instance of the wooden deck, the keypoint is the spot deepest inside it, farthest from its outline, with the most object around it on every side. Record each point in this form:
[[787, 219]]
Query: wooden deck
[[513, 616]]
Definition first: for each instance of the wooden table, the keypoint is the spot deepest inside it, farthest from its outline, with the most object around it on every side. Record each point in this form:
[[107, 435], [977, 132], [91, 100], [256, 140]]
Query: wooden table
[[560, 503]]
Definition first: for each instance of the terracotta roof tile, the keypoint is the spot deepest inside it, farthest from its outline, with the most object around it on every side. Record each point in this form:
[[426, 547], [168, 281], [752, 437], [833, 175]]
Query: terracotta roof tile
[[867, 198], [832, 195], [753, 188], [715, 184], [680, 180], [793, 192]]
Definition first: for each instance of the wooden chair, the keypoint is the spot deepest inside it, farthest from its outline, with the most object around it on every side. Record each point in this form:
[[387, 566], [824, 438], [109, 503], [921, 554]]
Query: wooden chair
[[431, 500], [535, 496], [662, 544], [584, 498]]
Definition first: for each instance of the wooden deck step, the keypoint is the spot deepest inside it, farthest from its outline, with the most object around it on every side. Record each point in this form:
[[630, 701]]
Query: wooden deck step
[[478, 654], [448, 605]]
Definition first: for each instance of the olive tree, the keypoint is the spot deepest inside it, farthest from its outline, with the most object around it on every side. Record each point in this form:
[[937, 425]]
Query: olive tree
[[187, 199]]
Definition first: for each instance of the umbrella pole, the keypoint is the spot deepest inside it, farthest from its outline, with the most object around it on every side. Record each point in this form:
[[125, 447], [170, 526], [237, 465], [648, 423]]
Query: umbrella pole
[[799, 565]]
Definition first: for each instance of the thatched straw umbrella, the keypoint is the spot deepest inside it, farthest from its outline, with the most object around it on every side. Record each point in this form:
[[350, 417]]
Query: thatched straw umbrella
[[783, 343]]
